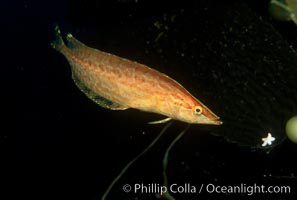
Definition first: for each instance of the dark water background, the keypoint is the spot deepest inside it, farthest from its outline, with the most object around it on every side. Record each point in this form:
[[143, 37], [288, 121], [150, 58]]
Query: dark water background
[[57, 144]]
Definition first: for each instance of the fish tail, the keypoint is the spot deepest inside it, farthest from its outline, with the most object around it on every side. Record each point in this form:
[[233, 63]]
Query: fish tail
[[58, 43]]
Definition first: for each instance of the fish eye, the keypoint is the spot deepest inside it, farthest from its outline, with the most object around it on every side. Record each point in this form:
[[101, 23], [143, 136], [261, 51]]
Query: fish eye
[[198, 110]]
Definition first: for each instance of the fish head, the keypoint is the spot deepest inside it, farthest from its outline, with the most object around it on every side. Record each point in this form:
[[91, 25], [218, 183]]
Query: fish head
[[197, 113]]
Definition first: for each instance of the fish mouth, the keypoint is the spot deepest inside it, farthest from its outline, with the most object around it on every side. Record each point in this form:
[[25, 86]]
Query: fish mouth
[[217, 122], [214, 121], [211, 118]]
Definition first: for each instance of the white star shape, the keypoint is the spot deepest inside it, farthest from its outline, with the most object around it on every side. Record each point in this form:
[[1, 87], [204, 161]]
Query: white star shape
[[268, 140]]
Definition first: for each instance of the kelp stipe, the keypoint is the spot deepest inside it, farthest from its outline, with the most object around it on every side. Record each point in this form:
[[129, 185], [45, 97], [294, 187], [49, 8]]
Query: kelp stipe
[[134, 160], [167, 195], [284, 10]]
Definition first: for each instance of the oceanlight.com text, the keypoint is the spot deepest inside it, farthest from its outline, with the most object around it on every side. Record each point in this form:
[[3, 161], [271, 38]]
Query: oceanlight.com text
[[247, 189], [187, 188]]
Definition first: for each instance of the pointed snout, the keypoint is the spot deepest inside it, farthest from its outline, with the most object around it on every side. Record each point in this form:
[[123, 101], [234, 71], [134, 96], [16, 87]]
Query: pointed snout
[[217, 121], [211, 120]]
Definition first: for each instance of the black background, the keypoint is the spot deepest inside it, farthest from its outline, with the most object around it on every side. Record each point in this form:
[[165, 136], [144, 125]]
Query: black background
[[57, 144]]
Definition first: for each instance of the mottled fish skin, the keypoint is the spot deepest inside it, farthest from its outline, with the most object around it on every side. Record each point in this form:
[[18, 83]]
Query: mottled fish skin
[[128, 84]]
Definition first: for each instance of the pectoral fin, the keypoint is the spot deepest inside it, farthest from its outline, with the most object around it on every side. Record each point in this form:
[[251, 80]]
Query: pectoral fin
[[160, 121]]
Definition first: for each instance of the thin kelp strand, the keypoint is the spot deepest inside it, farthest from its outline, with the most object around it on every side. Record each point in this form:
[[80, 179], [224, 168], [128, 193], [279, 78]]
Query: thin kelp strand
[[167, 195], [134, 160], [166, 155]]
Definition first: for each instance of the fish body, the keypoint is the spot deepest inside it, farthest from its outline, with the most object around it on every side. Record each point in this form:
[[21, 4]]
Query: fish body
[[118, 83]]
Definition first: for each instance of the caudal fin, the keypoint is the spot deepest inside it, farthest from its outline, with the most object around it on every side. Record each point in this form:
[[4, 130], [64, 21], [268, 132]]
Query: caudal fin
[[58, 43]]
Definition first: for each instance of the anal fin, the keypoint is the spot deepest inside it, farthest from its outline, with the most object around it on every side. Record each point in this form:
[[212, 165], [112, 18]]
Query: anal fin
[[101, 101]]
